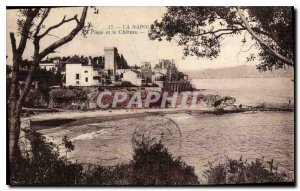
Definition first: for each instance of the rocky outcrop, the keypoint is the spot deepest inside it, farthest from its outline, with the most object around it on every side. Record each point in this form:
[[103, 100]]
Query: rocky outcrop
[[218, 101], [68, 98]]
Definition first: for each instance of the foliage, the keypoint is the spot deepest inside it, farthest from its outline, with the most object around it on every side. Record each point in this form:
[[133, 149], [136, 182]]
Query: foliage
[[241, 171], [44, 166], [8, 70], [201, 30], [30, 23], [67, 96], [68, 144], [122, 62], [155, 85], [127, 84], [36, 98], [98, 60], [46, 79], [151, 165]]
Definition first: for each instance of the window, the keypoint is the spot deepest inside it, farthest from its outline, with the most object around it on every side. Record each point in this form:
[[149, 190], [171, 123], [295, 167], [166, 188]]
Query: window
[[85, 71], [86, 79], [77, 77], [77, 82]]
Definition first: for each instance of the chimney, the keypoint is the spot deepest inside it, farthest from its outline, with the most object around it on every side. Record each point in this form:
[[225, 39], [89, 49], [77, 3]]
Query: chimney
[[90, 60]]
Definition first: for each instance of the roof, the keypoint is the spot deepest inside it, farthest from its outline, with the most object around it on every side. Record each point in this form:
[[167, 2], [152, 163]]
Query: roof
[[47, 63], [159, 73], [75, 60], [110, 48], [135, 71], [56, 58]]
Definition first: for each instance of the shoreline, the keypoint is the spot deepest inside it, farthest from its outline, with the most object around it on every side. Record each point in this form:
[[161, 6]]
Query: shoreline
[[114, 118], [71, 118]]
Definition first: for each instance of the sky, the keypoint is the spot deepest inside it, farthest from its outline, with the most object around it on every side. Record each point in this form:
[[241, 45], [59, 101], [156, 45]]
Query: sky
[[136, 48]]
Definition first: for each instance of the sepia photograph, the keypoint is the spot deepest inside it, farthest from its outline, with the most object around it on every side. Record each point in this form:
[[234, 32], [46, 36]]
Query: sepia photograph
[[150, 96]]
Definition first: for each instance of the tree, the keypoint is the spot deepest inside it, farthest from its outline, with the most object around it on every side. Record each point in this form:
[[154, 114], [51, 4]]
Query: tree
[[46, 79], [30, 28], [200, 30]]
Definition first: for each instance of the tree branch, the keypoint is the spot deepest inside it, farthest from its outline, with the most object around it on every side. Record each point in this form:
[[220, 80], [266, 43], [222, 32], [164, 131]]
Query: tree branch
[[13, 42], [66, 39], [58, 25], [39, 56], [233, 30], [38, 28], [28, 82], [27, 25], [17, 55], [255, 36]]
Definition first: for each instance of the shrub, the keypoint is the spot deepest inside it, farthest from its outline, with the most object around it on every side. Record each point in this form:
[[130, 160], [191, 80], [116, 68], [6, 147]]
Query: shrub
[[44, 166], [240, 172], [151, 165], [127, 84], [155, 85]]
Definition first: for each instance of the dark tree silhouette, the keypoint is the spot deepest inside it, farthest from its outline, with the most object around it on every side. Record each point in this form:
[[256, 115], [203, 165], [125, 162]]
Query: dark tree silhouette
[[200, 30], [32, 27]]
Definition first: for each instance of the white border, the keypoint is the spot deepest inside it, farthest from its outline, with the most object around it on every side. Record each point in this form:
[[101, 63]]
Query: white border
[[5, 3]]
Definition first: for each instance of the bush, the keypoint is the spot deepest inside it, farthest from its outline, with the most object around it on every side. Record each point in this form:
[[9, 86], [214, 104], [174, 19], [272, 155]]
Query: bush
[[240, 172], [151, 165], [155, 85], [44, 166], [127, 84]]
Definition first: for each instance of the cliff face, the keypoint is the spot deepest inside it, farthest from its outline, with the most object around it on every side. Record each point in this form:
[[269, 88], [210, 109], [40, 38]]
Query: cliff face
[[243, 71]]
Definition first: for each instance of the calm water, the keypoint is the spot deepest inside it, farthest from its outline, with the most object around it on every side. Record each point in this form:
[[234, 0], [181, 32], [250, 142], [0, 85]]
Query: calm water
[[202, 138], [215, 137], [250, 91], [197, 139]]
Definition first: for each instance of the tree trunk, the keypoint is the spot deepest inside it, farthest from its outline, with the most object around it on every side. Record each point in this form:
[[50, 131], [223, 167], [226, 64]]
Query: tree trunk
[[15, 101], [14, 132], [14, 116]]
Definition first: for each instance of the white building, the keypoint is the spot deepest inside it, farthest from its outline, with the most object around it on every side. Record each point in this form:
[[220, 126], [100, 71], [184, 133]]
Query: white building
[[83, 73], [79, 73], [48, 66], [134, 77], [159, 77]]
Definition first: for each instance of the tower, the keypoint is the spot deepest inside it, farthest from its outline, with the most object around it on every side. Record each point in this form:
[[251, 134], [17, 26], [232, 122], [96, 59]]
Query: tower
[[110, 54]]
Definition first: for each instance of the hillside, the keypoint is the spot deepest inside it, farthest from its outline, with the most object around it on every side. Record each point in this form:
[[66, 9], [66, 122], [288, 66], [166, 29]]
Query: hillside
[[243, 71]]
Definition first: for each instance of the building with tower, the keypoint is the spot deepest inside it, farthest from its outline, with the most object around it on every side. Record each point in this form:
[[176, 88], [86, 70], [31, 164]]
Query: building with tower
[[110, 55]]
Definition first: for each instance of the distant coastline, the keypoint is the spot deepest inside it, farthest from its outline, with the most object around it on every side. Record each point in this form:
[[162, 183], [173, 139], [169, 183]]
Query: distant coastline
[[243, 71], [238, 77]]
